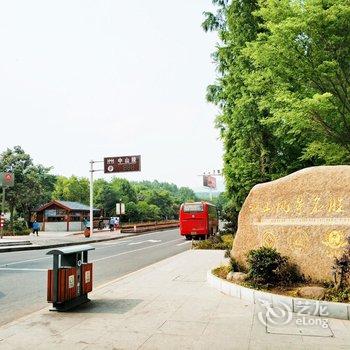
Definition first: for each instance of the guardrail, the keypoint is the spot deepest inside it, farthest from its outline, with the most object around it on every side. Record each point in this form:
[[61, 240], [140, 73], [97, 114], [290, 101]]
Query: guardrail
[[149, 226]]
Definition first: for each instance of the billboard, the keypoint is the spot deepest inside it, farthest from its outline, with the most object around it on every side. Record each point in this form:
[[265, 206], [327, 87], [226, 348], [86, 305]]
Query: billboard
[[209, 181]]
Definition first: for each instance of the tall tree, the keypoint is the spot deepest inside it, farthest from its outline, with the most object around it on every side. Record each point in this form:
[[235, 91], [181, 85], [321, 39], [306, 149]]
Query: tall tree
[[105, 197], [33, 183], [261, 142], [124, 190], [247, 142], [304, 75], [72, 189]]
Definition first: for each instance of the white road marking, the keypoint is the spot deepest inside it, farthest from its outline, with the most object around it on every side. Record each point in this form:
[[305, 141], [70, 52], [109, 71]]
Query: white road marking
[[150, 240], [16, 269], [106, 244], [113, 243], [136, 250], [183, 243], [99, 244], [24, 261]]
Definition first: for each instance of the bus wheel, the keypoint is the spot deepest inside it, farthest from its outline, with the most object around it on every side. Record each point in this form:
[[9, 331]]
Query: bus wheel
[[188, 237]]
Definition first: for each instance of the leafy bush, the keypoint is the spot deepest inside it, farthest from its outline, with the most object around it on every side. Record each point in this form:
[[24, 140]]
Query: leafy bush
[[268, 267], [339, 296], [19, 227], [236, 266], [223, 242], [341, 269]]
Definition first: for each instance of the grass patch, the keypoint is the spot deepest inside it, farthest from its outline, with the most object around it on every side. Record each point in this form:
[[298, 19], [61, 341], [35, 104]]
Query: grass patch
[[222, 271], [222, 242], [338, 296], [25, 232]]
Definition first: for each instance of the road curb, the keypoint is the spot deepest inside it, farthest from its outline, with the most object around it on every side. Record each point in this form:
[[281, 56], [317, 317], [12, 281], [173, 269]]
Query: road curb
[[297, 305], [95, 290], [31, 247]]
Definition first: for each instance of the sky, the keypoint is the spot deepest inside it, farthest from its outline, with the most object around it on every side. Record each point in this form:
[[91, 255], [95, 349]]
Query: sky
[[81, 80]]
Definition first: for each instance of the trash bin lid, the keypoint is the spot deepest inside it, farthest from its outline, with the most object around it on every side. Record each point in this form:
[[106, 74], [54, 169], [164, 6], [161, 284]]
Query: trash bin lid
[[70, 250]]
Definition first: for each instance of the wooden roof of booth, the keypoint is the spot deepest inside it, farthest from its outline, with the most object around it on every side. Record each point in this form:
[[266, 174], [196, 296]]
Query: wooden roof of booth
[[67, 205]]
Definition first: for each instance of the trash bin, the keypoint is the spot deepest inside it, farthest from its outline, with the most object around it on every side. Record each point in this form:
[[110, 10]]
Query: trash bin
[[70, 280]]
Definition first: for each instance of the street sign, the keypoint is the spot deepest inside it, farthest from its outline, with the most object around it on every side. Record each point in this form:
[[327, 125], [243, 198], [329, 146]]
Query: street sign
[[122, 164], [7, 179]]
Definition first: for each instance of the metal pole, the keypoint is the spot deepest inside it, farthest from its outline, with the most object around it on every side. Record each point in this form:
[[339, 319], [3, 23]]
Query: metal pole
[[91, 196], [55, 279], [2, 210]]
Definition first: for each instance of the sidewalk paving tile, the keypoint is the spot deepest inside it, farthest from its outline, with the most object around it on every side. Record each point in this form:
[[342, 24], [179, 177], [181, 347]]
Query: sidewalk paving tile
[[168, 305], [168, 342]]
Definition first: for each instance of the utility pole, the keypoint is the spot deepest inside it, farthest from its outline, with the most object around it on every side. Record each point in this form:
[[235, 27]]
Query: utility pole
[[111, 165], [2, 212], [7, 179], [92, 170], [91, 196]]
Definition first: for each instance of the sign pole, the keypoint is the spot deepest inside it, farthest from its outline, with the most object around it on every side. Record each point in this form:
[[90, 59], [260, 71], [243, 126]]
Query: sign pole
[[91, 196], [2, 211]]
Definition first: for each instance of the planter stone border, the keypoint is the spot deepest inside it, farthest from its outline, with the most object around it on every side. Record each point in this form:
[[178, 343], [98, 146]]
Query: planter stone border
[[297, 305]]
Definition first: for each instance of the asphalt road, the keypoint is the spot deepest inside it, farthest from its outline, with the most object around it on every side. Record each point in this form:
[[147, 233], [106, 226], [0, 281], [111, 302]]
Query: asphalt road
[[23, 275]]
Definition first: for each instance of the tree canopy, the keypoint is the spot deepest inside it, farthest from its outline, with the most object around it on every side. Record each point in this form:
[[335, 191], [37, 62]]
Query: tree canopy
[[282, 88], [33, 183], [35, 186]]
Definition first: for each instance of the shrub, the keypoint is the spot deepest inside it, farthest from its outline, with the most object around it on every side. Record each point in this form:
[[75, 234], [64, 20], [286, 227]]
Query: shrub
[[341, 269], [236, 266], [223, 242], [339, 296], [289, 274], [268, 267], [19, 227]]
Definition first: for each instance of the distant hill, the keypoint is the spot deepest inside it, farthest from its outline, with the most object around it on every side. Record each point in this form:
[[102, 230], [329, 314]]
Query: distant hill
[[206, 194]]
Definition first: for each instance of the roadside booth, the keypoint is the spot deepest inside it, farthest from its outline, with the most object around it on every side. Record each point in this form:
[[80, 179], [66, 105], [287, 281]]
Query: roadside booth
[[59, 216]]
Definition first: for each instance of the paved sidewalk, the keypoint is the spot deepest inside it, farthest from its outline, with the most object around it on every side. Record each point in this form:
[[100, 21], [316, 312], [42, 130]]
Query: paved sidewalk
[[167, 305], [57, 239]]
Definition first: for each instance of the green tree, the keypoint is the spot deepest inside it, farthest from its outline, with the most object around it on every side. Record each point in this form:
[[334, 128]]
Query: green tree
[[132, 212], [148, 212], [33, 183], [303, 78], [261, 79], [248, 144], [105, 197], [163, 200], [185, 194], [72, 189], [124, 190]]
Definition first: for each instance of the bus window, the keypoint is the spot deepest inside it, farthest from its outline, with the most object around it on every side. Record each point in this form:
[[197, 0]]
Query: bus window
[[193, 207]]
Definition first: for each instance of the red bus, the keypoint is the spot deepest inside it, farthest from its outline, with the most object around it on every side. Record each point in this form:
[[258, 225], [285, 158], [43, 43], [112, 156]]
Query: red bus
[[198, 219]]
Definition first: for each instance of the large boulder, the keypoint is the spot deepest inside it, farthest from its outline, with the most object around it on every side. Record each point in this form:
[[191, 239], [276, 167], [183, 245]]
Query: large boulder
[[236, 277], [305, 216], [312, 292]]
